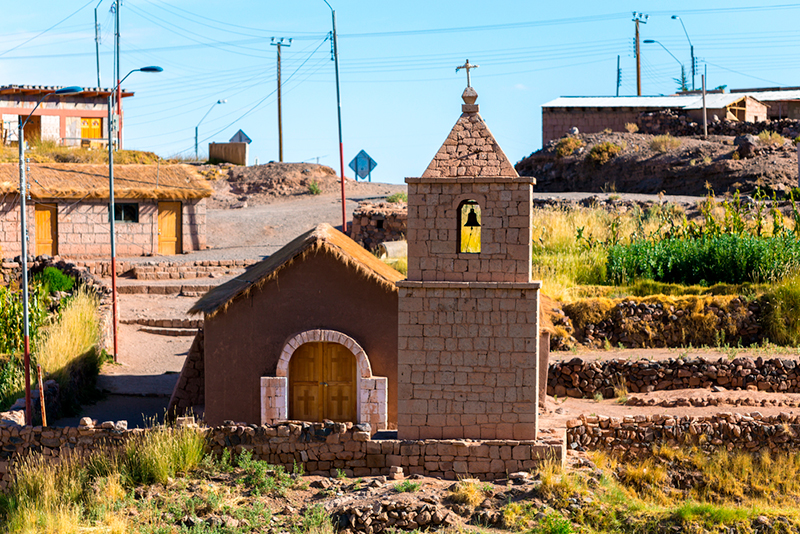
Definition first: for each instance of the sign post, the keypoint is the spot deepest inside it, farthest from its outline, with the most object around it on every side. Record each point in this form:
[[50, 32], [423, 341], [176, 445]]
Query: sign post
[[362, 165]]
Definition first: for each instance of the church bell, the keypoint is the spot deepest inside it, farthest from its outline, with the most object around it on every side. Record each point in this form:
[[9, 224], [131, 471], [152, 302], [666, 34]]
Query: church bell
[[472, 220]]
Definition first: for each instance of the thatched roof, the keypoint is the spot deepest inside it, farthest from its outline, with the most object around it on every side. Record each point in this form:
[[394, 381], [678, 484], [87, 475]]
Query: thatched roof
[[79, 181], [324, 238]]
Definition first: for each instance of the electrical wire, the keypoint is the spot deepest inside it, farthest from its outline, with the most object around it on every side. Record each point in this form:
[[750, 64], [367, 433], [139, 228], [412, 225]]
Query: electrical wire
[[48, 29]]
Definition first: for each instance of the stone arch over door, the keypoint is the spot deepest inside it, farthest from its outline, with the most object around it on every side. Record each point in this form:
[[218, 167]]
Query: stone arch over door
[[371, 391]]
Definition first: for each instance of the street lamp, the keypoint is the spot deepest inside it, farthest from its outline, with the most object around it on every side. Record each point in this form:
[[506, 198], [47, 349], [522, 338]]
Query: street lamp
[[339, 111], [691, 46], [653, 41], [111, 200], [196, 154], [24, 253]]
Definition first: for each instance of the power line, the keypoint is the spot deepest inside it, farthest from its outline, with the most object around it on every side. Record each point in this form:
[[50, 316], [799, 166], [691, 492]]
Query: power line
[[48, 29]]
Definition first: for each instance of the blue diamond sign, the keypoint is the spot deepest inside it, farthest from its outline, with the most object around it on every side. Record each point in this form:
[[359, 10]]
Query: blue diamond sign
[[362, 165]]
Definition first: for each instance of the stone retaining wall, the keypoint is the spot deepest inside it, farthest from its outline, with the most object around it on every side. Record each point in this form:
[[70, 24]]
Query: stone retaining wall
[[374, 224], [583, 379], [320, 448], [636, 435], [190, 389]]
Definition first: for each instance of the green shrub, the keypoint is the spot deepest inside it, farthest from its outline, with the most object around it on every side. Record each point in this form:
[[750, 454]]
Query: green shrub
[[314, 188], [567, 145], [724, 258], [602, 153], [54, 280], [664, 143], [397, 197], [407, 486]]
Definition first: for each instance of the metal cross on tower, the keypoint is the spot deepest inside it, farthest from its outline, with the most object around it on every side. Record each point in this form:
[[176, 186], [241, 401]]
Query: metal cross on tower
[[467, 66]]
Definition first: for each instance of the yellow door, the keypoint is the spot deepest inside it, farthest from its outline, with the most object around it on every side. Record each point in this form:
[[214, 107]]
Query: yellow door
[[91, 129], [322, 383], [169, 228], [46, 229]]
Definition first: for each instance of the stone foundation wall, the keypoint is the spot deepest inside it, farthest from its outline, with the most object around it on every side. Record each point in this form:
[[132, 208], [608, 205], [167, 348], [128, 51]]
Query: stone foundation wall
[[582, 379], [677, 124], [374, 224], [636, 435], [556, 122], [320, 448]]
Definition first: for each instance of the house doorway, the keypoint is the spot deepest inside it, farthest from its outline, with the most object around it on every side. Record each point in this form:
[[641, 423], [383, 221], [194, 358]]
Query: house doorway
[[169, 228], [46, 221], [322, 383]]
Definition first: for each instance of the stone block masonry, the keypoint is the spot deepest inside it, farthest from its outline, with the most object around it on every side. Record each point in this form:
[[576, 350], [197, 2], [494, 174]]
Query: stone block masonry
[[467, 358], [319, 448], [636, 435], [374, 224]]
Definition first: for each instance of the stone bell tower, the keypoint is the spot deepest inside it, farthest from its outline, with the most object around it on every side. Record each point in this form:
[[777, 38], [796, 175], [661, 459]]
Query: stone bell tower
[[468, 347]]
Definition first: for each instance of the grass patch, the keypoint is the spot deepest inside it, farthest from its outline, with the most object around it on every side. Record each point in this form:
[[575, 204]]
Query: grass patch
[[470, 492], [631, 127], [54, 280], [780, 316], [602, 153], [397, 197], [664, 143], [314, 188], [567, 145], [407, 486], [771, 138]]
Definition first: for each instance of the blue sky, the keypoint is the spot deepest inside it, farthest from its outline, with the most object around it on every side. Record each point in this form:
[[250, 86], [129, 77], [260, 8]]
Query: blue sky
[[400, 93]]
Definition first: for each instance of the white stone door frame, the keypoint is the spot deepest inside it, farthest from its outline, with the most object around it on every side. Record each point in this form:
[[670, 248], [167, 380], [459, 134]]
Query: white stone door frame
[[372, 391]]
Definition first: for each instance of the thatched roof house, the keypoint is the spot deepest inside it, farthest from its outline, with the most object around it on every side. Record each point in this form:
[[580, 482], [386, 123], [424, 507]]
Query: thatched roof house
[[310, 333], [160, 209]]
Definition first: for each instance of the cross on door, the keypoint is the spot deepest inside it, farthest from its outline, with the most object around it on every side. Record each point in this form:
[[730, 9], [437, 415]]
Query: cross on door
[[340, 399], [466, 66], [307, 398]]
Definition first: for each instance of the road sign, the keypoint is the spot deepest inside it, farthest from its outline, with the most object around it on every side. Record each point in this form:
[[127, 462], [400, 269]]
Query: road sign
[[362, 165]]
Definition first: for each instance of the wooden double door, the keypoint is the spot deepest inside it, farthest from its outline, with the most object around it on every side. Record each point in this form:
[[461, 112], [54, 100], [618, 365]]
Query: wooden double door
[[322, 383]]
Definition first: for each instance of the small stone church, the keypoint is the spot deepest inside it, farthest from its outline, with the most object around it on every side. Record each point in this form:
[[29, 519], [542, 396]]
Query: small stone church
[[323, 330]]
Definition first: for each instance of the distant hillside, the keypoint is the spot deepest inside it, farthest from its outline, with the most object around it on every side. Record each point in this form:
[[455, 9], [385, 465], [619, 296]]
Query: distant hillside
[[638, 168]]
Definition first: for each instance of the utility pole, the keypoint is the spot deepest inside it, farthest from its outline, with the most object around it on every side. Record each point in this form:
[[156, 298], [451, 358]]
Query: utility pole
[[339, 114], [97, 42], [637, 18], [279, 44], [691, 46], [705, 111], [119, 86], [619, 76]]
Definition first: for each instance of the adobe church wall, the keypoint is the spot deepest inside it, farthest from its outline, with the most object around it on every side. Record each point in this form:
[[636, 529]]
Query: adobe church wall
[[316, 293]]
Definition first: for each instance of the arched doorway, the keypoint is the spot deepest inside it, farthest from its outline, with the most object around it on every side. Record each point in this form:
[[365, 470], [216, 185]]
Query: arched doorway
[[296, 384], [322, 383]]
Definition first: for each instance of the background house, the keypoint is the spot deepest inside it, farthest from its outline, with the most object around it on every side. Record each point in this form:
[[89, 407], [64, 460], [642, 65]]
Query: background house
[[159, 210], [592, 114], [66, 119]]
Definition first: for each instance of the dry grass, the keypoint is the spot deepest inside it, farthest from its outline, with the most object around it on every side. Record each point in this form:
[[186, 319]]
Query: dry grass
[[664, 143], [72, 336], [602, 153], [567, 145], [50, 152], [771, 139], [631, 127], [469, 492]]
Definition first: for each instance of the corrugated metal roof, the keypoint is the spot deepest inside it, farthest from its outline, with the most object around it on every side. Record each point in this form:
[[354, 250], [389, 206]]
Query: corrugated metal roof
[[713, 101], [619, 101], [771, 96]]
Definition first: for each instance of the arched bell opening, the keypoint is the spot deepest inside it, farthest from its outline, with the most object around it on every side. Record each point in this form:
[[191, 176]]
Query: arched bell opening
[[469, 223]]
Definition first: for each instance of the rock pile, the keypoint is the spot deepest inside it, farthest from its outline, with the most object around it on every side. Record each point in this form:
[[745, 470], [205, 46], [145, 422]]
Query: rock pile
[[676, 124], [578, 378], [636, 435], [374, 224], [389, 514]]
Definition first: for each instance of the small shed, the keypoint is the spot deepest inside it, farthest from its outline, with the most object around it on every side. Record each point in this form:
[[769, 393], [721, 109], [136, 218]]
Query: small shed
[[309, 334], [159, 209]]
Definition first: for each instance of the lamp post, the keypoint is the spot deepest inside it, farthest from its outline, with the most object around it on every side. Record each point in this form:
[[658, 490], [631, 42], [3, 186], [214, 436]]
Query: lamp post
[[24, 253], [691, 46], [196, 153], [339, 111], [111, 201], [653, 41]]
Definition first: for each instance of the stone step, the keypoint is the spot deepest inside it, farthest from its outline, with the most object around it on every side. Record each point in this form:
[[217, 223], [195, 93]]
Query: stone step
[[181, 322], [169, 331], [188, 290]]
